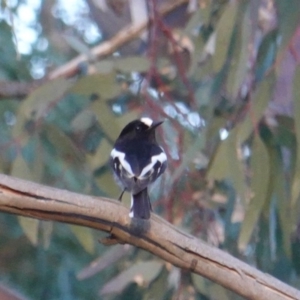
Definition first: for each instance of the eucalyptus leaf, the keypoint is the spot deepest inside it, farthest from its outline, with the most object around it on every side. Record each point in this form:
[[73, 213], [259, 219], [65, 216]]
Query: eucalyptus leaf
[[296, 178], [30, 171], [64, 146], [30, 228], [99, 158], [226, 165], [107, 184], [39, 100], [110, 124], [105, 66], [107, 259], [257, 107], [288, 14], [132, 64], [47, 231], [283, 210], [105, 118], [259, 186], [141, 272], [83, 121], [38, 104], [239, 67], [223, 34], [160, 287], [216, 291], [194, 22], [266, 55], [103, 86], [85, 237], [201, 284]]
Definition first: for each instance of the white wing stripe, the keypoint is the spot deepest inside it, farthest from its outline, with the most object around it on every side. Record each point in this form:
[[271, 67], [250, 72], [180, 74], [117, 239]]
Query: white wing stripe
[[154, 159], [121, 156]]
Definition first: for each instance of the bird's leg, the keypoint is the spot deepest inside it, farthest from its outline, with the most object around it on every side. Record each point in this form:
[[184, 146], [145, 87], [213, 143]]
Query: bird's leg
[[120, 197]]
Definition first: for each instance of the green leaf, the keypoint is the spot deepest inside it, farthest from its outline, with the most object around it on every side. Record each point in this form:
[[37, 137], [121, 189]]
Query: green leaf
[[124, 64], [201, 284], [104, 86], [296, 255], [132, 64], [219, 167], [21, 169], [47, 230], [194, 22], [260, 167], [188, 156], [40, 99], [226, 165], [288, 15], [162, 285], [223, 35], [266, 55], [141, 273], [209, 289], [100, 157], [203, 92], [285, 131], [195, 57], [296, 178], [126, 118], [78, 45], [216, 291], [283, 208], [85, 237], [64, 146], [257, 107], [239, 67], [106, 260], [107, 184], [30, 228], [111, 124], [83, 121], [105, 66], [38, 103], [105, 118]]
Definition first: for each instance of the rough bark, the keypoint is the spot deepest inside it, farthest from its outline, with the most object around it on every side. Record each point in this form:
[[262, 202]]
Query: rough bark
[[157, 236]]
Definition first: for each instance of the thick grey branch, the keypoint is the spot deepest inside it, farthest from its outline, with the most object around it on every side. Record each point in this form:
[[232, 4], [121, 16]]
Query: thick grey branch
[[158, 236]]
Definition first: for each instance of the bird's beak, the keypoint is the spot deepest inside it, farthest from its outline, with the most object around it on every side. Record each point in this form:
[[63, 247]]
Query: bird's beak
[[155, 124]]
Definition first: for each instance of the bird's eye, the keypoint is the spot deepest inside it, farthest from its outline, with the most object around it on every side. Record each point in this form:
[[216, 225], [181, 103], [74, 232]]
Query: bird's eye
[[138, 128]]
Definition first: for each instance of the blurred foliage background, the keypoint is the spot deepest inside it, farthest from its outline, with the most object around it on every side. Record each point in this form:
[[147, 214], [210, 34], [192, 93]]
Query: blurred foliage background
[[224, 75]]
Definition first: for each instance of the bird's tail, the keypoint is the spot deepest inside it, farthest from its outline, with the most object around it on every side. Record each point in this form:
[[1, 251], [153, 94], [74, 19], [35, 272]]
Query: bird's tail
[[140, 205]]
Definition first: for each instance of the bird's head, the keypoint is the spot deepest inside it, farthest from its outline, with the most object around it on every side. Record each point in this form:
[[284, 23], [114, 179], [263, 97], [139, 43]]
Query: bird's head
[[144, 127]]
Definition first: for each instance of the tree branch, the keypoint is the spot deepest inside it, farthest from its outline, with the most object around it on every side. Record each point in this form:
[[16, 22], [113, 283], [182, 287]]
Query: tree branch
[[108, 47], [157, 236], [9, 89], [16, 89]]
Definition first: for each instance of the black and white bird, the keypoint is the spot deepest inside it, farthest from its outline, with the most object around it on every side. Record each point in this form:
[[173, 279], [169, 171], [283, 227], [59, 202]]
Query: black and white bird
[[137, 161]]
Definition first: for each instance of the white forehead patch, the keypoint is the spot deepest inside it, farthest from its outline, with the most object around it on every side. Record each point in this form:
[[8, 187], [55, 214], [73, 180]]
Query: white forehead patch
[[147, 121]]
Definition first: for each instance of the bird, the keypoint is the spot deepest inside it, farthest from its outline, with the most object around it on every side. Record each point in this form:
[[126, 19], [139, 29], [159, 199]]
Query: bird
[[137, 161]]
